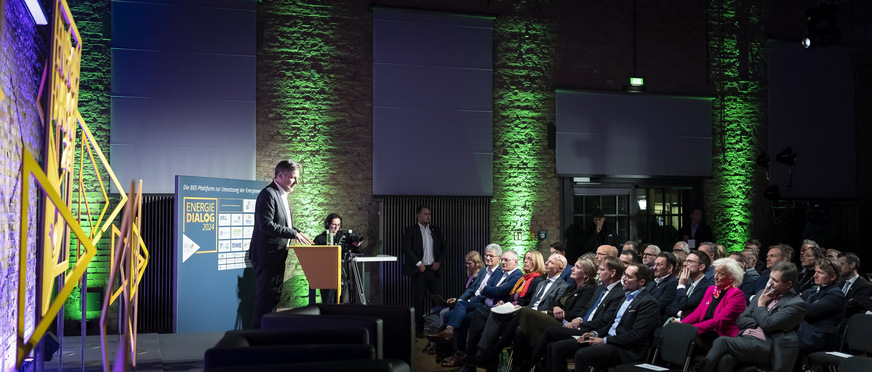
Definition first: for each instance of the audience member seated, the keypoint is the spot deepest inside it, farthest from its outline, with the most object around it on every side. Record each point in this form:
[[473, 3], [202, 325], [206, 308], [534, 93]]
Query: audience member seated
[[750, 272], [755, 246], [749, 275], [776, 253], [680, 246], [492, 253], [499, 329], [628, 257], [664, 285], [819, 330], [624, 339], [601, 311], [833, 253], [498, 289], [573, 303], [858, 292], [767, 328], [711, 250], [606, 251], [558, 248], [649, 254], [723, 302], [692, 285], [808, 257], [631, 246]]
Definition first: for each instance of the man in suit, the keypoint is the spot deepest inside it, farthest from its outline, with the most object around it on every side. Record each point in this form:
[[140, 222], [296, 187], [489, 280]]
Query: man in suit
[[498, 288], [492, 254], [664, 286], [776, 253], [767, 327], [858, 292], [422, 253], [692, 284], [273, 229], [696, 230], [601, 310], [751, 274], [498, 331], [625, 339]]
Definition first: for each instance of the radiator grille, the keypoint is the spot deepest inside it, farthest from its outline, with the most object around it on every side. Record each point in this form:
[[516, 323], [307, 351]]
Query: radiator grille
[[156, 290], [464, 222]]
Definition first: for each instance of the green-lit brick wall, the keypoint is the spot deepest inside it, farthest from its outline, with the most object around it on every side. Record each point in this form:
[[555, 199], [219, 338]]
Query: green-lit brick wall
[[92, 20], [736, 62], [526, 190], [314, 97]]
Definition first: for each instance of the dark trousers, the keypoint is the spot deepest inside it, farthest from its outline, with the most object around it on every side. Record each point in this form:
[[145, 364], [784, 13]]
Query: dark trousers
[[425, 282], [727, 352], [268, 279], [584, 356]]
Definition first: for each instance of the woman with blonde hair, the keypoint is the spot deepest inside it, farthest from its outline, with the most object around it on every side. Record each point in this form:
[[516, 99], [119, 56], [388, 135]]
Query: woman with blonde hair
[[473, 266]]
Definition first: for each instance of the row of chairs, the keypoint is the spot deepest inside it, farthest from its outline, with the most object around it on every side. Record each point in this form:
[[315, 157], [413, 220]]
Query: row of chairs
[[678, 356], [321, 338]]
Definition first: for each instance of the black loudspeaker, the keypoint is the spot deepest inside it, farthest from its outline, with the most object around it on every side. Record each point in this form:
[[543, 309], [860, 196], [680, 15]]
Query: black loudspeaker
[[50, 345]]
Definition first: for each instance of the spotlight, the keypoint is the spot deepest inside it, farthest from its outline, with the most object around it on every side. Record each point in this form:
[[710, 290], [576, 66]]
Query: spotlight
[[786, 156], [637, 85], [771, 193], [822, 30], [763, 160]]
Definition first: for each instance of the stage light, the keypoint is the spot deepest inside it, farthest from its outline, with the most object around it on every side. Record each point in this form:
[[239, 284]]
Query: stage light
[[637, 81], [786, 156], [763, 160], [36, 12], [822, 30]]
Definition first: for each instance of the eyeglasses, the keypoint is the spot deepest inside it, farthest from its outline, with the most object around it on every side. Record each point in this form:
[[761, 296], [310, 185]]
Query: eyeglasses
[[648, 255]]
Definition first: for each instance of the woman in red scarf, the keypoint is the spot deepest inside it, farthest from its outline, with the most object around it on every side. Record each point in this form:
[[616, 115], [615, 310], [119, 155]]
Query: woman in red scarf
[[534, 266]]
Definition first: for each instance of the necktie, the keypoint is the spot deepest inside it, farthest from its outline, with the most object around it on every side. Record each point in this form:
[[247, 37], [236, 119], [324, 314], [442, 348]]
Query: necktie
[[846, 287], [690, 289], [592, 310], [538, 297]]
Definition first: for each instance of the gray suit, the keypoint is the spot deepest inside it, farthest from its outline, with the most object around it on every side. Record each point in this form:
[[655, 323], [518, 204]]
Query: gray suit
[[779, 349]]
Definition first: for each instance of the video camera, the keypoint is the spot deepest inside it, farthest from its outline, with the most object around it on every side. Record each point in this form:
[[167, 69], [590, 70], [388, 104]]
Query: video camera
[[348, 240]]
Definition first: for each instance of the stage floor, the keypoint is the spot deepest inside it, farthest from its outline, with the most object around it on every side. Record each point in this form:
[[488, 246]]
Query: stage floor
[[155, 352]]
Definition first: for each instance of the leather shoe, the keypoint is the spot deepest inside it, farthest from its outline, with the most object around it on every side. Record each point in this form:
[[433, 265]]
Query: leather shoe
[[443, 334]]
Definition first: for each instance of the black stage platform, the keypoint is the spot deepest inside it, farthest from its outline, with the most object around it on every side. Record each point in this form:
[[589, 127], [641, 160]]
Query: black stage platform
[[155, 352]]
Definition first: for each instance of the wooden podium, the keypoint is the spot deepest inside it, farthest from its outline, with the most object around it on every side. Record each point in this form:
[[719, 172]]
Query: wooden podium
[[322, 266]]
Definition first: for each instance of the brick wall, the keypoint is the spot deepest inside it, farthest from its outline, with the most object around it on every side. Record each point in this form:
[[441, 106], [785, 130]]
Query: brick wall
[[21, 58]]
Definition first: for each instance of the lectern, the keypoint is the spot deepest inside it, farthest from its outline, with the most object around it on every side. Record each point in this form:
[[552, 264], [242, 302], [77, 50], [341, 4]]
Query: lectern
[[322, 266]]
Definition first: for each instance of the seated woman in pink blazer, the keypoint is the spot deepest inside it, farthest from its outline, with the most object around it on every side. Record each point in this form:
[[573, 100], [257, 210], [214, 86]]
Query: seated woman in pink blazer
[[721, 305]]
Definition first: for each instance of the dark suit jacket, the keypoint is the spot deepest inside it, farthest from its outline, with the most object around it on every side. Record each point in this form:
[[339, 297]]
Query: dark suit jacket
[[575, 300], [550, 297], [606, 310], [470, 291], [685, 303], [805, 281], [413, 247], [271, 233], [703, 233], [820, 329], [664, 292], [749, 280], [501, 292], [858, 300], [780, 327], [636, 328]]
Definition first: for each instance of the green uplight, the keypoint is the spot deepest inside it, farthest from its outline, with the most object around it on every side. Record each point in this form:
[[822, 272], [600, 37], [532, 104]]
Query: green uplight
[[523, 98], [637, 81], [299, 70], [738, 115]]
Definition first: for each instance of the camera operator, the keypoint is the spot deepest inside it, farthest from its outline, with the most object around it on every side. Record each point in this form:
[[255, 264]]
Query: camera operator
[[349, 242]]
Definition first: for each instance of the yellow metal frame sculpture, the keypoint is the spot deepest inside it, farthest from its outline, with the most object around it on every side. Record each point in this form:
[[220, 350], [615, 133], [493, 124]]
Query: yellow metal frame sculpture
[[61, 123], [128, 265]]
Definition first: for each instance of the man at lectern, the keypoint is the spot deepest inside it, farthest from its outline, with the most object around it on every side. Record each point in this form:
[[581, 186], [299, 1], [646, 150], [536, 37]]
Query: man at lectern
[[273, 229], [332, 225], [422, 251]]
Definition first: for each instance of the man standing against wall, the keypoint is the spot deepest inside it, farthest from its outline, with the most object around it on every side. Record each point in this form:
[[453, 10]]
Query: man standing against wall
[[273, 229], [422, 252]]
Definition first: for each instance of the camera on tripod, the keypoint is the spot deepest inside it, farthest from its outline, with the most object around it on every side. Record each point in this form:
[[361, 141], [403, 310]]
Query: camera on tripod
[[350, 242]]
